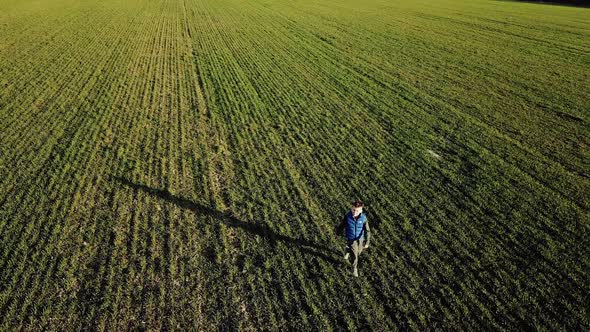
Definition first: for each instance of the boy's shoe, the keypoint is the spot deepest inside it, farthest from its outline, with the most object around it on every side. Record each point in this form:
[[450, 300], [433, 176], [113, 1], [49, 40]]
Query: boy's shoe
[[346, 255], [355, 272]]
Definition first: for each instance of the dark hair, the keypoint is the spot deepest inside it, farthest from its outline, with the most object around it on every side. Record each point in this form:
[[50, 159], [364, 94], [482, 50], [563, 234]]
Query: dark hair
[[357, 204]]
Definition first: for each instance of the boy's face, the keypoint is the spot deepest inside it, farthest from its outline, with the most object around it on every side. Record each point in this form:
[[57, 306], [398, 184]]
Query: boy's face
[[356, 210]]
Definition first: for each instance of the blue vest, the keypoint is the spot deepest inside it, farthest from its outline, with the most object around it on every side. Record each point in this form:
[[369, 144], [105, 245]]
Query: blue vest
[[354, 228]]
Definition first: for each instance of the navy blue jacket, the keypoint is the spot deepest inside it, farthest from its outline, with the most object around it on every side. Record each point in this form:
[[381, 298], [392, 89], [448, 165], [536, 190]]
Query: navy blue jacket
[[356, 228]]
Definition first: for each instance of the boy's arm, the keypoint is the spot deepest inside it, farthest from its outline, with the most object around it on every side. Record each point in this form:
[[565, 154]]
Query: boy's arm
[[367, 233]]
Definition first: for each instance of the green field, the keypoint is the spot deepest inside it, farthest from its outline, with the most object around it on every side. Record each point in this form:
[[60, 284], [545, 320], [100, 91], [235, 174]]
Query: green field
[[181, 164]]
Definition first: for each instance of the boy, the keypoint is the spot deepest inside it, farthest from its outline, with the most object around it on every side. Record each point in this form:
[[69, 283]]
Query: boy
[[358, 233]]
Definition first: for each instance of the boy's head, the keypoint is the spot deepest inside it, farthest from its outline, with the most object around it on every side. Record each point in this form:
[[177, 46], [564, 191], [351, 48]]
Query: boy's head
[[357, 208]]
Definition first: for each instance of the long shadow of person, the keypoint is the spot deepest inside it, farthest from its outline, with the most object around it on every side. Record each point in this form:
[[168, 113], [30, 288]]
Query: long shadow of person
[[262, 230]]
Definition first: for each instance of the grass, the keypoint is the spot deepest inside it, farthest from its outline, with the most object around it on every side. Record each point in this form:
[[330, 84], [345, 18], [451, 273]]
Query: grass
[[181, 164]]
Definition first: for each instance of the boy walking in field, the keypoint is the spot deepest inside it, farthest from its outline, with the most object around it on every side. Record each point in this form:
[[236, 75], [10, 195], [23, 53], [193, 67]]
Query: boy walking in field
[[358, 233]]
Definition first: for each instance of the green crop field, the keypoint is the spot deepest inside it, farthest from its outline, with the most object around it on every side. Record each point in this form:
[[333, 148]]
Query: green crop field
[[181, 164]]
